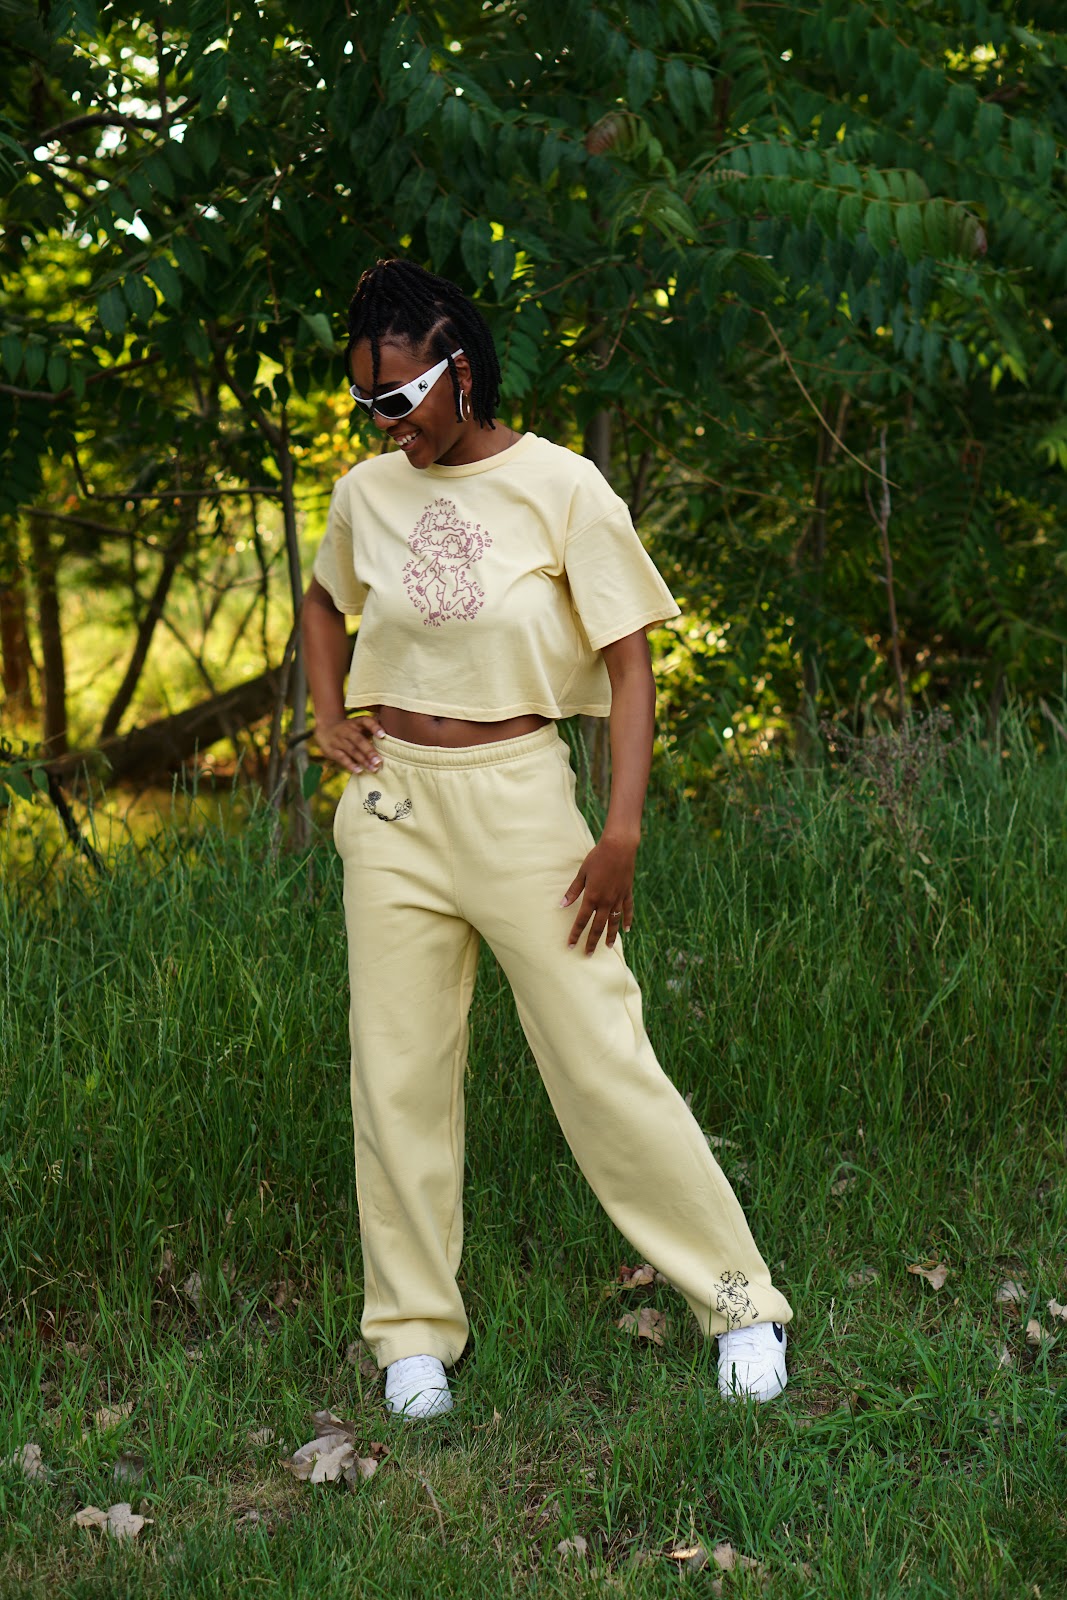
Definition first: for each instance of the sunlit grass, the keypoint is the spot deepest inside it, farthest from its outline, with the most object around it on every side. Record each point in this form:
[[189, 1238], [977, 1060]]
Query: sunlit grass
[[885, 1054]]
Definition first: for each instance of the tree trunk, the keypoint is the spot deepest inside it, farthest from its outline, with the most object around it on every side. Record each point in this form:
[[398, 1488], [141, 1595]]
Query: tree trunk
[[595, 730], [298, 689], [53, 669], [160, 748], [15, 654], [171, 558]]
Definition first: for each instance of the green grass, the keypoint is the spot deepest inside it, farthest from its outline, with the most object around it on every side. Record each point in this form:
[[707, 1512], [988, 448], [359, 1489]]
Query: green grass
[[849, 989]]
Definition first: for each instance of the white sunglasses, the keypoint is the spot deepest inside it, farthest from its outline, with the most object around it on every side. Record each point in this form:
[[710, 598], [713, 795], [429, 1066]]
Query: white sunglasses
[[396, 403]]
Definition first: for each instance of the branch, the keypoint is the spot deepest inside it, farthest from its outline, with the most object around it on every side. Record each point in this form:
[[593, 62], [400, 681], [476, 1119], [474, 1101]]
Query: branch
[[65, 394], [108, 119], [270, 490], [841, 445]]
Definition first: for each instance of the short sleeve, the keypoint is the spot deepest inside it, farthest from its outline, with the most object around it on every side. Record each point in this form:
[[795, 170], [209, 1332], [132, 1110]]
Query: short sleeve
[[334, 562], [615, 587]]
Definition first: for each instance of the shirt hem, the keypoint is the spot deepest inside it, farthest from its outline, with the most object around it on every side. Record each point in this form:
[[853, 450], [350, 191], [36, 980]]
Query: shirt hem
[[644, 620], [541, 708]]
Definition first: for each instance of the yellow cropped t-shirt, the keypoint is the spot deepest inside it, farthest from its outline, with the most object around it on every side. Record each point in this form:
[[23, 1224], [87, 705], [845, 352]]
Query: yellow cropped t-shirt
[[486, 590]]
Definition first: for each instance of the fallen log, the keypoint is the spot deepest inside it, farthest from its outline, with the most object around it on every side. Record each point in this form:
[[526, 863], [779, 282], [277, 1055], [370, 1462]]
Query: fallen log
[[160, 748]]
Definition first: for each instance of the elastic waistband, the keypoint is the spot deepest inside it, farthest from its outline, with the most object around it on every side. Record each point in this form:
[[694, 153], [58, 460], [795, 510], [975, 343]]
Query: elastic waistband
[[462, 756]]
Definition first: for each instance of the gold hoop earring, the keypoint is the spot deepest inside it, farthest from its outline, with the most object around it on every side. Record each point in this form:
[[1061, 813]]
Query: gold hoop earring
[[465, 408]]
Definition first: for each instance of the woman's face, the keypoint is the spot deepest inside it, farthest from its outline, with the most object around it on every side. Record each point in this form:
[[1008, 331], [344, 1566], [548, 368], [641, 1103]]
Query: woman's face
[[430, 434]]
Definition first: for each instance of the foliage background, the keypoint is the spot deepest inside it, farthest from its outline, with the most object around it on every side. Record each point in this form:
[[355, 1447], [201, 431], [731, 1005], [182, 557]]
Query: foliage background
[[730, 251]]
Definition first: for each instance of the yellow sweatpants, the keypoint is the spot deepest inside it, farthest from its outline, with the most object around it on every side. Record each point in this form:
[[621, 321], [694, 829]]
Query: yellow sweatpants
[[441, 847]]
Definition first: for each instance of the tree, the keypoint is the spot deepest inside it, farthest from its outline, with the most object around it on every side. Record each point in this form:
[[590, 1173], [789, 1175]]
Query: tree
[[751, 238]]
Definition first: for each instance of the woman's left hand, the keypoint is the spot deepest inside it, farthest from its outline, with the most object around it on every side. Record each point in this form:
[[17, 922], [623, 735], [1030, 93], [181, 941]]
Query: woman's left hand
[[605, 880]]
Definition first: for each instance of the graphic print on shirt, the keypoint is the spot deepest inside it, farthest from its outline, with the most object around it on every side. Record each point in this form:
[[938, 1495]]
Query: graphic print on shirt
[[439, 580]]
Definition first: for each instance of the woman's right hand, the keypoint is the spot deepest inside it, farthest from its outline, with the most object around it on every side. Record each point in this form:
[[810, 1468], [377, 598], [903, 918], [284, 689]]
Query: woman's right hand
[[349, 741]]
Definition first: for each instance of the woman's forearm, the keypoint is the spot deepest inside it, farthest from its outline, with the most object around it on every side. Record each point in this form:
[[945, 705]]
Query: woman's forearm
[[632, 729], [327, 652]]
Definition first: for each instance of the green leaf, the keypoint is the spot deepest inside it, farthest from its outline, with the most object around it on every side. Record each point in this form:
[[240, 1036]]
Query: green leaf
[[935, 228], [443, 222], [502, 257], [195, 340], [165, 279], [310, 780], [878, 220], [474, 243], [111, 309], [422, 107], [40, 778], [139, 297], [190, 260], [640, 78], [548, 157], [34, 359], [850, 215], [159, 175], [679, 89], [204, 139], [319, 323], [56, 372], [455, 116], [18, 783], [1044, 155], [11, 354], [909, 220]]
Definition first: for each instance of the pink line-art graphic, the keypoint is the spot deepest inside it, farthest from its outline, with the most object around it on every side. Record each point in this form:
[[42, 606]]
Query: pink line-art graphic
[[439, 580]]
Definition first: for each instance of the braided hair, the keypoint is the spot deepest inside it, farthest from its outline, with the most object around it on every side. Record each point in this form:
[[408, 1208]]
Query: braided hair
[[396, 299]]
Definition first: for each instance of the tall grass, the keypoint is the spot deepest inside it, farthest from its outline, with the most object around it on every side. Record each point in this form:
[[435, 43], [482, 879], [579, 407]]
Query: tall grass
[[860, 984]]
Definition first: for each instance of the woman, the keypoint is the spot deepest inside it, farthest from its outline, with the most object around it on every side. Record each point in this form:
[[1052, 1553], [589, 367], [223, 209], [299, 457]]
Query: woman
[[501, 586]]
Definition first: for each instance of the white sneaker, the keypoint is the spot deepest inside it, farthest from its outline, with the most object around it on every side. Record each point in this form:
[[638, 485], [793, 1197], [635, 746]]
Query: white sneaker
[[752, 1362], [416, 1386]]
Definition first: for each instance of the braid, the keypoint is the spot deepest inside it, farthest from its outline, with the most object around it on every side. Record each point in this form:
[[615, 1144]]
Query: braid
[[397, 299]]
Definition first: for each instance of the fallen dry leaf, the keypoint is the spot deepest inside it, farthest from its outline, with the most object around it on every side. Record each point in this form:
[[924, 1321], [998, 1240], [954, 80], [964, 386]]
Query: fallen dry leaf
[[120, 1520], [572, 1547], [728, 1559], [1035, 1334], [30, 1461], [261, 1436], [637, 1277], [166, 1270], [323, 1459], [1005, 1357], [1057, 1311], [717, 1142], [111, 1416], [82, 1351], [1010, 1293], [685, 1552], [332, 1454], [862, 1275], [935, 1273], [328, 1422], [650, 1324]]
